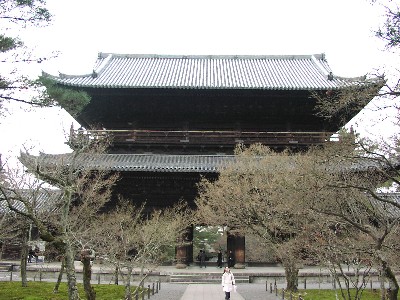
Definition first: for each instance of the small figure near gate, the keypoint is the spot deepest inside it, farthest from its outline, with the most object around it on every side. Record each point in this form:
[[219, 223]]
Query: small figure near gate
[[203, 258], [231, 260], [31, 254], [36, 254], [219, 259]]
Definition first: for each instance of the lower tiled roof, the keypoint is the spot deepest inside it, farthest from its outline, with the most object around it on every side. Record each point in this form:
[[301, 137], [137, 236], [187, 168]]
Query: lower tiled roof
[[172, 163], [139, 162], [42, 200]]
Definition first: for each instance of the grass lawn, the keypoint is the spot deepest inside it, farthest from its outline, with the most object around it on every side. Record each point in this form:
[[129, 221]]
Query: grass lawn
[[330, 295], [44, 291]]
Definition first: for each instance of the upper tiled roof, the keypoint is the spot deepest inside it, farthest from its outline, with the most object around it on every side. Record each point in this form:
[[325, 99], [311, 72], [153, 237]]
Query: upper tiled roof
[[296, 72]]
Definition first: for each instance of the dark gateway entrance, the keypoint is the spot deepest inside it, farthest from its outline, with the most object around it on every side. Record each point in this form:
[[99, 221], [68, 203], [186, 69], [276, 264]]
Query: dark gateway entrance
[[174, 119]]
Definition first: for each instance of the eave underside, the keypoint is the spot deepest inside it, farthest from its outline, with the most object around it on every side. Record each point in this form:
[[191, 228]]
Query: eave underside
[[173, 109]]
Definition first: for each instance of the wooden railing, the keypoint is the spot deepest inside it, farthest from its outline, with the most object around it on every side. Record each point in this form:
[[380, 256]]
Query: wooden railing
[[208, 138]]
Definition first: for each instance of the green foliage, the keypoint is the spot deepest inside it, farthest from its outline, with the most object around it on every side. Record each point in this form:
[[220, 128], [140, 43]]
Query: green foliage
[[26, 11], [72, 101], [14, 15], [44, 291], [8, 43], [206, 237]]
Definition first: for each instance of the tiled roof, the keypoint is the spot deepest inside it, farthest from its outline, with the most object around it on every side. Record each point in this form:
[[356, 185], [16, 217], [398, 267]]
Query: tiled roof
[[386, 208], [171, 163], [296, 72], [43, 200], [139, 162]]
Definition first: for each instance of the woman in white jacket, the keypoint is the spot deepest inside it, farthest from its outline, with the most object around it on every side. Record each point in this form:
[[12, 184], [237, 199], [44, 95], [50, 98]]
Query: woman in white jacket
[[228, 282]]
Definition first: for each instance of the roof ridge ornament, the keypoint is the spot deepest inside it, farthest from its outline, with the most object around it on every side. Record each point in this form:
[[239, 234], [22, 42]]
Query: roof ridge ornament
[[102, 65], [327, 73]]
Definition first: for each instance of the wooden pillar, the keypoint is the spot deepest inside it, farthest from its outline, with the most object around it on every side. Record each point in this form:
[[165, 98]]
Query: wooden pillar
[[189, 246], [184, 249], [240, 252], [236, 244]]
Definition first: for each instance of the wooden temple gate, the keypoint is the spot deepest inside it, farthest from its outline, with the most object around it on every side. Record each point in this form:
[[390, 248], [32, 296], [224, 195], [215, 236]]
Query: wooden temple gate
[[174, 119]]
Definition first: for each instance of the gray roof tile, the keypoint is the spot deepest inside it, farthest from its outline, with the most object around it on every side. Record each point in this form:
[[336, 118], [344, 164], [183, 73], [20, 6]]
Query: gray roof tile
[[138, 162], [171, 163], [298, 72], [43, 200]]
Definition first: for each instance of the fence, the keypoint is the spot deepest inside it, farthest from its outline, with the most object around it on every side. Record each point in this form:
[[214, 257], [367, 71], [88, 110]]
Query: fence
[[273, 287], [39, 275]]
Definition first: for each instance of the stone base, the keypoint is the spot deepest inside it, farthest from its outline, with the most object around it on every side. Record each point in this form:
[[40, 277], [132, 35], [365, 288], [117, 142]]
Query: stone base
[[239, 266], [181, 266]]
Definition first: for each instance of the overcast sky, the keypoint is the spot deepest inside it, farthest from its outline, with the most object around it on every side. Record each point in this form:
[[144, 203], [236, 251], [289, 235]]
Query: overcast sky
[[342, 29]]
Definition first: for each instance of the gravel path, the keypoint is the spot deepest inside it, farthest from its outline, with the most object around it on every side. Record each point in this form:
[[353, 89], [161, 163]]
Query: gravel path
[[170, 291], [249, 291], [255, 291]]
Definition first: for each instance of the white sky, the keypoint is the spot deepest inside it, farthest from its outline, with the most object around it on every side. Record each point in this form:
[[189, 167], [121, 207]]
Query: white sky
[[342, 29]]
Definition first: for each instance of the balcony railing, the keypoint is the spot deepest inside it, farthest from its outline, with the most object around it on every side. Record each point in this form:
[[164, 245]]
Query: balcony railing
[[207, 138]]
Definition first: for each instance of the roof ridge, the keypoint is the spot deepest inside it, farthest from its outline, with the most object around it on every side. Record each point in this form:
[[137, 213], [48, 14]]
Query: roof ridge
[[103, 55]]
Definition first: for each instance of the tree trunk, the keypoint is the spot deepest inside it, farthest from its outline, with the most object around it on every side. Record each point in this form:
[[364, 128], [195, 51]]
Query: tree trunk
[[128, 295], [87, 274], [24, 259], [116, 275], [291, 273], [55, 290], [393, 290], [70, 270], [382, 285]]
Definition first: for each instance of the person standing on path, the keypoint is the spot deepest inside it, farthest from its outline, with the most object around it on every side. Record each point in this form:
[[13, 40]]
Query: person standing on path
[[228, 283], [31, 254], [231, 260], [203, 258], [219, 260]]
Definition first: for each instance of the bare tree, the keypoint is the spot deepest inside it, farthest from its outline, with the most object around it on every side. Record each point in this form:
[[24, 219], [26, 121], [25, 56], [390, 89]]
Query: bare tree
[[129, 238], [284, 198], [21, 195], [362, 199], [343, 183], [15, 231], [345, 251], [83, 191], [258, 193]]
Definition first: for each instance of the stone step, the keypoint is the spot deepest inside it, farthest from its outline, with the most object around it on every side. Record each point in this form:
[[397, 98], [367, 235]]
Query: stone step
[[5, 267], [204, 278]]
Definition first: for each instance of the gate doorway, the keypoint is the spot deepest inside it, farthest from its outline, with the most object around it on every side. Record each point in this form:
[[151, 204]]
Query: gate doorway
[[210, 239]]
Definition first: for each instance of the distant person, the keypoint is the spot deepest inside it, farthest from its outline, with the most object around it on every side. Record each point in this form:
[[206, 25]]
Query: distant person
[[228, 283], [219, 259], [203, 258], [36, 254], [31, 254], [231, 259]]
